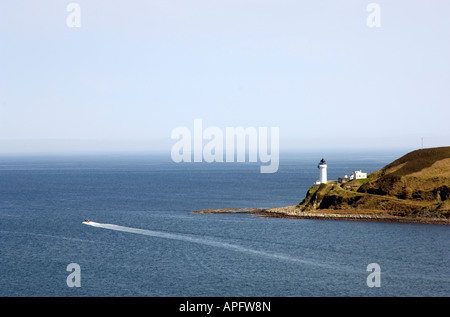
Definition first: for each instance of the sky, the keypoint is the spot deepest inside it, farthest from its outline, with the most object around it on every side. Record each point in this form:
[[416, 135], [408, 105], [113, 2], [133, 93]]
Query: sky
[[135, 70]]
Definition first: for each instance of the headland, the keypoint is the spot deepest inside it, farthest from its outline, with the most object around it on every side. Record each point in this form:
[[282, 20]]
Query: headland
[[414, 188]]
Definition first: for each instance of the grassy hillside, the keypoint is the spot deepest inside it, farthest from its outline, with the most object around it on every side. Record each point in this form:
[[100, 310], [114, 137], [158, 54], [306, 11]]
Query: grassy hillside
[[417, 184]]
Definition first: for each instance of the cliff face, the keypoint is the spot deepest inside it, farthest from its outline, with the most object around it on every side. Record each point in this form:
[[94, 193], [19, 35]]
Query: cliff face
[[417, 184]]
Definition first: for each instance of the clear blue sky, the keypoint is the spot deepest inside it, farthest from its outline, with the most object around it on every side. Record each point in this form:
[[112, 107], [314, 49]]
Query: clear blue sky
[[136, 69]]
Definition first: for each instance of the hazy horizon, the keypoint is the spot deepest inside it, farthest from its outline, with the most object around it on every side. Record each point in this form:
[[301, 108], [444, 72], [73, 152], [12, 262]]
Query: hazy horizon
[[132, 147]]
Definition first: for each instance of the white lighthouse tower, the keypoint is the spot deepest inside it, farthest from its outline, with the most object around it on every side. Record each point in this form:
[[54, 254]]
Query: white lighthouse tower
[[322, 171]]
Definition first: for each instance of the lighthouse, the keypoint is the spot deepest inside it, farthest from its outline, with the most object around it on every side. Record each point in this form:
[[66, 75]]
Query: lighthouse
[[322, 171]]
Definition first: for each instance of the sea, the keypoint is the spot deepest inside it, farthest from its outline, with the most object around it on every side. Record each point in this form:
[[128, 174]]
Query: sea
[[147, 241]]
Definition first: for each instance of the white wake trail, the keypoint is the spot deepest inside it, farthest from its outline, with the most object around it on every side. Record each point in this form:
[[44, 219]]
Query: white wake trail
[[234, 247], [204, 241]]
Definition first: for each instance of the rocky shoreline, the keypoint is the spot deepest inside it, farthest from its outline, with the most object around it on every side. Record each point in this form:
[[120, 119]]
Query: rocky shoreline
[[294, 212]]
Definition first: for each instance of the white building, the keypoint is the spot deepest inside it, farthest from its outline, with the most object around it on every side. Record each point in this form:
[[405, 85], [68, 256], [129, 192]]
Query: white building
[[322, 172], [358, 175]]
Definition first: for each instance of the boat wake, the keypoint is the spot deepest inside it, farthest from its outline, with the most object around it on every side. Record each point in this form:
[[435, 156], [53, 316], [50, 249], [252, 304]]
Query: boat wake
[[205, 241]]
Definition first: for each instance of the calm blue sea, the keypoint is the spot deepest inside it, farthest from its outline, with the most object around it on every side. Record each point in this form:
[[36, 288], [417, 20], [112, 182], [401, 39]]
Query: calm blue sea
[[44, 199]]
